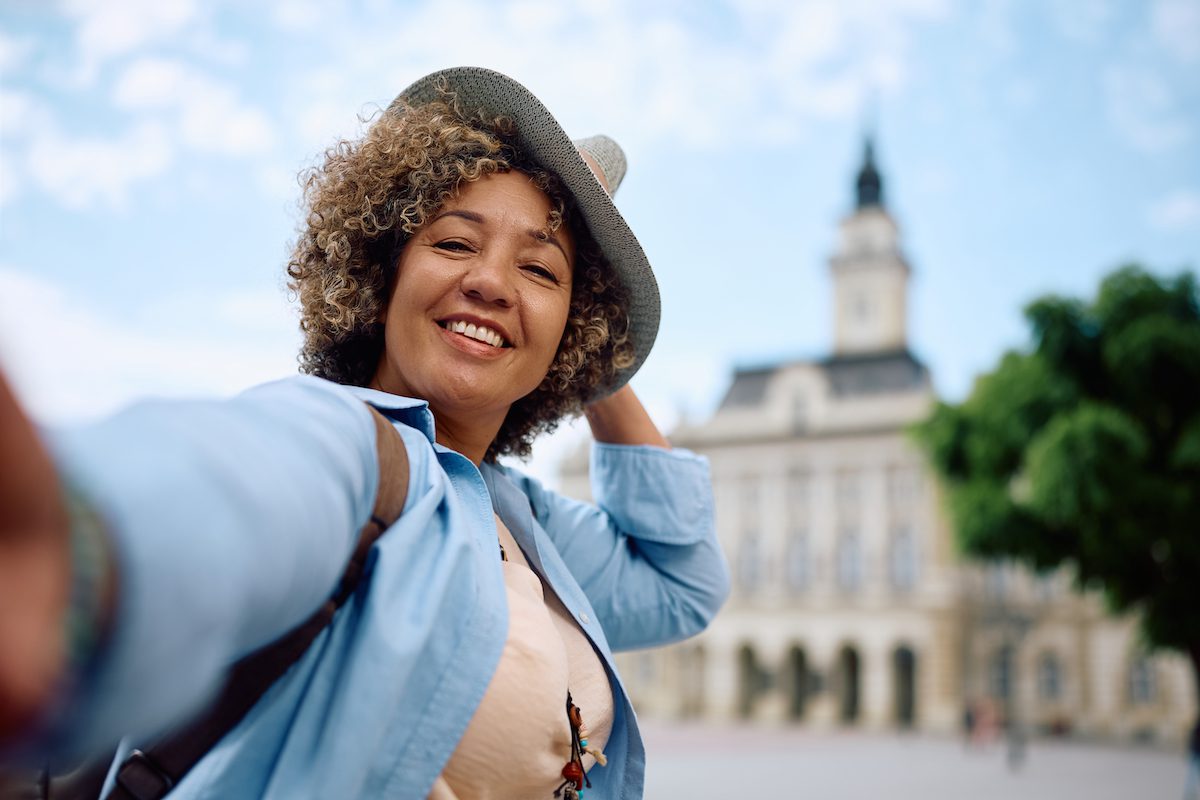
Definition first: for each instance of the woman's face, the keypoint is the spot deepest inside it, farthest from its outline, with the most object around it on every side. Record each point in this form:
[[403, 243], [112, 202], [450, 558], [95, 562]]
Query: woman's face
[[480, 301]]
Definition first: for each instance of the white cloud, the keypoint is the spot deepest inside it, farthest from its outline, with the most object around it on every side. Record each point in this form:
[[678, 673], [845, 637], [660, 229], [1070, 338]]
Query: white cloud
[[82, 363], [1142, 109], [81, 173], [111, 29], [1176, 27], [21, 114], [297, 15], [773, 69], [207, 113], [1178, 211], [14, 53], [10, 184]]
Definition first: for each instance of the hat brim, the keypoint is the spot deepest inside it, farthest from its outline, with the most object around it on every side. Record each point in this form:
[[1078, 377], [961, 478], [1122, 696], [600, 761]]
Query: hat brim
[[540, 137]]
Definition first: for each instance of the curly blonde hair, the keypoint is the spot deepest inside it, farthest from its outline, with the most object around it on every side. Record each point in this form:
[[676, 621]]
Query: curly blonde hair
[[367, 199]]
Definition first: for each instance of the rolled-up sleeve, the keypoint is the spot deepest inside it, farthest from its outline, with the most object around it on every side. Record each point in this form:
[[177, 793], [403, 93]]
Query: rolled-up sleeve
[[646, 554], [230, 523]]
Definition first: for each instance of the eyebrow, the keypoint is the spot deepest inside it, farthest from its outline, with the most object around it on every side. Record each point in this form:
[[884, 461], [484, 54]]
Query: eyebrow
[[541, 236]]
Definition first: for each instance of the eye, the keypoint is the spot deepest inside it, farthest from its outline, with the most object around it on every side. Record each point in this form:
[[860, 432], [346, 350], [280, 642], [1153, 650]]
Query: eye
[[454, 246], [542, 272]]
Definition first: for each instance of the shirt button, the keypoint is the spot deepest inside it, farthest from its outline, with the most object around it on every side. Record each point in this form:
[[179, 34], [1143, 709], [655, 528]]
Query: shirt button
[[584, 618]]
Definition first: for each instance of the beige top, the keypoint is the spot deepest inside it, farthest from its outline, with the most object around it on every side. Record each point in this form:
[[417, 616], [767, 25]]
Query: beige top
[[519, 739]]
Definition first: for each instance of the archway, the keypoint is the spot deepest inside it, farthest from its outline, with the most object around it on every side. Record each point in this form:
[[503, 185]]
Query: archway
[[848, 684], [749, 681], [798, 683], [904, 685]]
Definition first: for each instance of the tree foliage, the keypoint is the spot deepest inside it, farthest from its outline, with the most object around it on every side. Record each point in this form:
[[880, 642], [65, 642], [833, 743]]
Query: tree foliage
[[1084, 450]]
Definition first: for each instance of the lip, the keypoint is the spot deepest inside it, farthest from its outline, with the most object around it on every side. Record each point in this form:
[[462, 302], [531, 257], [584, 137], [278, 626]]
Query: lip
[[470, 346], [471, 319]]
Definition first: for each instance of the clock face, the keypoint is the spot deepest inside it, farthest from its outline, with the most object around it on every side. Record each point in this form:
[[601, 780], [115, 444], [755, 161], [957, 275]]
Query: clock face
[[862, 307]]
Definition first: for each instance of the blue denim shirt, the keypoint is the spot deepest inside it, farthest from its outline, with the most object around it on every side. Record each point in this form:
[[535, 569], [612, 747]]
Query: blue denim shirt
[[232, 521]]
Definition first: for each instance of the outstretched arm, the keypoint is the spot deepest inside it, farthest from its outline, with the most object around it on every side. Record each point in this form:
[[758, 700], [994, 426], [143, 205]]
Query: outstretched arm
[[34, 569], [226, 523]]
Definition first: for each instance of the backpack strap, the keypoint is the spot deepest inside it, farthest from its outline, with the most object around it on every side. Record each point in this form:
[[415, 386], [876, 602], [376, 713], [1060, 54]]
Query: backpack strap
[[150, 774]]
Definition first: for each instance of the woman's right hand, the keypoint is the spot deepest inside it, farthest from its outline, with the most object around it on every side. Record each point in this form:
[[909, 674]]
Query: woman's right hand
[[35, 571]]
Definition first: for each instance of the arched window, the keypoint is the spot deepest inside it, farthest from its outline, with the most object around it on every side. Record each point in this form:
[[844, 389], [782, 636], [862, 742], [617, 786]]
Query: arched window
[[798, 563], [849, 559], [750, 561], [902, 558], [1143, 686], [903, 484], [1049, 677], [1000, 673], [847, 490]]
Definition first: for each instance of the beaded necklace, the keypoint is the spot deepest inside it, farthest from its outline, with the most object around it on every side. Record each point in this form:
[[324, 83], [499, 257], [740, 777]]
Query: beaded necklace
[[575, 778]]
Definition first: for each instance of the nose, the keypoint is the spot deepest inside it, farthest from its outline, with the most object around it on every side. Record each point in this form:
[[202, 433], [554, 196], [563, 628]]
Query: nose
[[489, 280]]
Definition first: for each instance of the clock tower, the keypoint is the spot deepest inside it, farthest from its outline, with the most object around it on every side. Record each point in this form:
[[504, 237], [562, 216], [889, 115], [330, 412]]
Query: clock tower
[[870, 274]]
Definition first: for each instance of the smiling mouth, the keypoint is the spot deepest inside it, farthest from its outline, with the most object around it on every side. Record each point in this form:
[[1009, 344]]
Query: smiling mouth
[[480, 333]]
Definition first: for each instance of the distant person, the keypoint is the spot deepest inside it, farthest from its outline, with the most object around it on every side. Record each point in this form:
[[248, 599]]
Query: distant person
[[968, 723], [1191, 787], [465, 283]]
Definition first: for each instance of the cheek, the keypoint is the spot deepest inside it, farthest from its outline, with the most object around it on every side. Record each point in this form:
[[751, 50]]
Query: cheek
[[558, 324]]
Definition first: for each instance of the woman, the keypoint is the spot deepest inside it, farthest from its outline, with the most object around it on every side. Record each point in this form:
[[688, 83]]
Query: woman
[[465, 282]]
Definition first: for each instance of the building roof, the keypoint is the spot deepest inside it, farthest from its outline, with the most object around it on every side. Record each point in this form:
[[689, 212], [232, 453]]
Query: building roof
[[848, 375], [749, 387], [875, 373]]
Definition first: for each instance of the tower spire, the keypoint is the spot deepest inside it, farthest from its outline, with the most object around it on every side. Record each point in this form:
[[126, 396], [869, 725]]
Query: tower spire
[[869, 184]]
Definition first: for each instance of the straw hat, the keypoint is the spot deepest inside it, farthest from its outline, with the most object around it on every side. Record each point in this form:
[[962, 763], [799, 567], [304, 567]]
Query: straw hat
[[540, 136]]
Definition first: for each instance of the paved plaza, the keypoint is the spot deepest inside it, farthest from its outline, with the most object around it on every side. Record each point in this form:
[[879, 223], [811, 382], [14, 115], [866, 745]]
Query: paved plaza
[[698, 763]]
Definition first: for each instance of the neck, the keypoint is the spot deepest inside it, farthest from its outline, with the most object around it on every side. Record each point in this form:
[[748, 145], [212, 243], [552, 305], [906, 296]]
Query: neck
[[468, 433], [472, 437]]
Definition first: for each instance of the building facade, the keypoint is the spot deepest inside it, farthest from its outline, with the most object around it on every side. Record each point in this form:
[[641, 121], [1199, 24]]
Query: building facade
[[851, 606]]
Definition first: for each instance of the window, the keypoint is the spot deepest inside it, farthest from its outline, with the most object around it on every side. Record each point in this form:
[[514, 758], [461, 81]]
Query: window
[[1047, 587], [995, 580], [1000, 673], [849, 560], [1049, 677], [1143, 688], [902, 561], [847, 490], [903, 484], [798, 561], [750, 561], [799, 488]]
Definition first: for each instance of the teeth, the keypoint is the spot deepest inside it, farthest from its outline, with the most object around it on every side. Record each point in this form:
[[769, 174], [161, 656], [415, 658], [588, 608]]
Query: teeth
[[477, 332]]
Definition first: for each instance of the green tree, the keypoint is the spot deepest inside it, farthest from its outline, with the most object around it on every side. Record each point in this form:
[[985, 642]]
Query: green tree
[[1084, 451]]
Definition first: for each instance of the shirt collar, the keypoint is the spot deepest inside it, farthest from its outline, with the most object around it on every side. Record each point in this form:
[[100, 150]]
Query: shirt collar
[[411, 411]]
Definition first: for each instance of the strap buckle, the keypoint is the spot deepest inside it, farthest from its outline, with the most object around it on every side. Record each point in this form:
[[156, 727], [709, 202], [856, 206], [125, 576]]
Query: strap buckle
[[142, 778]]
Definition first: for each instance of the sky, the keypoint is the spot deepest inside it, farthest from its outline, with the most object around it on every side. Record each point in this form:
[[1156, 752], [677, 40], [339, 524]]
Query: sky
[[149, 151]]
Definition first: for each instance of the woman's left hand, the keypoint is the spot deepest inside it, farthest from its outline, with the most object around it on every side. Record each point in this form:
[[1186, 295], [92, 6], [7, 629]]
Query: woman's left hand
[[621, 418]]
